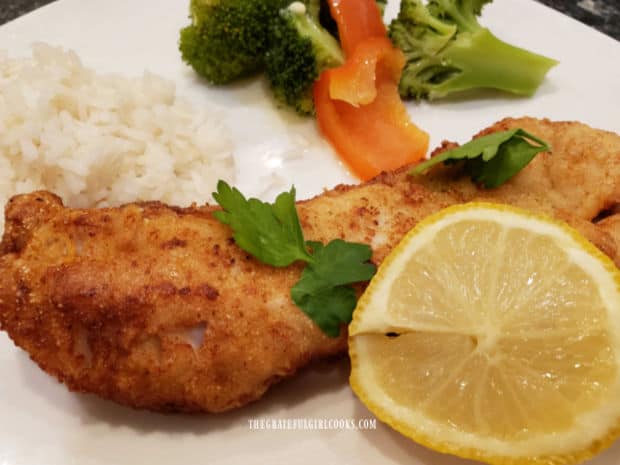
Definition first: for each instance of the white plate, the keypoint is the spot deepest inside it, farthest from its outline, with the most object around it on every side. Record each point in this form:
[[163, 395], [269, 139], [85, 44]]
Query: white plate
[[42, 423]]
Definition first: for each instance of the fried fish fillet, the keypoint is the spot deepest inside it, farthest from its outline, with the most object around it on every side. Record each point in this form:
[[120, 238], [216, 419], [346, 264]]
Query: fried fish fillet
[[155, 307]]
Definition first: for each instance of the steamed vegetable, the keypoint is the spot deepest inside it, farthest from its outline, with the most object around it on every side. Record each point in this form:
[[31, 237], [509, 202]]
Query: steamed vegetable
[[227, 39], [448, 51], [299, 50], [358, 107]]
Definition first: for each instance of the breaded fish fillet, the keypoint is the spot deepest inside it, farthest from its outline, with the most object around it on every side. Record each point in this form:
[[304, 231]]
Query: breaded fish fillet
[[155, 307]]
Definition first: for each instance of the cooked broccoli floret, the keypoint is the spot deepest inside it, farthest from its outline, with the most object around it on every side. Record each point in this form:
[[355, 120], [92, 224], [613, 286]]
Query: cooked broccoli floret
[[227, 39], [300, 49], [447, 51]]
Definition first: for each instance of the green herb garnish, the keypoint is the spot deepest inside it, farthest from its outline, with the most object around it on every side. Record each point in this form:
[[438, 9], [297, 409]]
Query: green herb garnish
[[323, 292], [272, 234], [493, 159]]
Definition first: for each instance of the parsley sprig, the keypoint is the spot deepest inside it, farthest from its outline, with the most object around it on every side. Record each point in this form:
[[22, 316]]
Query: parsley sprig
[[493, 159], [272, 234]]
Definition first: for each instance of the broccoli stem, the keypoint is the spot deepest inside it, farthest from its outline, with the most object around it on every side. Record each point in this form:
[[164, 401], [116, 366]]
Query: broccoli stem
[[330, 52], [479, 59]]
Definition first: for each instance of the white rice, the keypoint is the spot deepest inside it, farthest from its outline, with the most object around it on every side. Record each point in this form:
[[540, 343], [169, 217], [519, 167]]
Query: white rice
[[101, 140]]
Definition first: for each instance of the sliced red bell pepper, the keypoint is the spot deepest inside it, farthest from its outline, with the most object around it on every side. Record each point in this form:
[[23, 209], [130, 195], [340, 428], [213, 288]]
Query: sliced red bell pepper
[[358, 106], [357, 20], [372, 137], [356, 81]]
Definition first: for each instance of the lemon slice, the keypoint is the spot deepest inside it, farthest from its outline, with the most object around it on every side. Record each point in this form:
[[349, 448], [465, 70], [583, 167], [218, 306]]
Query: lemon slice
[[493, 334]]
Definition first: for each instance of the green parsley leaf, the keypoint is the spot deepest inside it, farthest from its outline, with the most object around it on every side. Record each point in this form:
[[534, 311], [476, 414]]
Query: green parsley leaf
[[329, 307], [341, 262], [270, 232], [324, 292], [492, 159]]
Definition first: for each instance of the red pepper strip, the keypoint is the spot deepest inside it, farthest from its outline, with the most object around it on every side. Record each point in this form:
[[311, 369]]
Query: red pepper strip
[[355, 82], [375, 137], [357, 20], [358, 106]]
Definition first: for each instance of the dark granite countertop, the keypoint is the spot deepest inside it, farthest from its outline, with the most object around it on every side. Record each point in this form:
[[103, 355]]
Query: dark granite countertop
[[603, 15]]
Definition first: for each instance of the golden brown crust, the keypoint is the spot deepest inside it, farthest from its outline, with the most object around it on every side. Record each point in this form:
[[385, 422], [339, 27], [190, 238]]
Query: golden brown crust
[[107, 301], [155, 307]]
